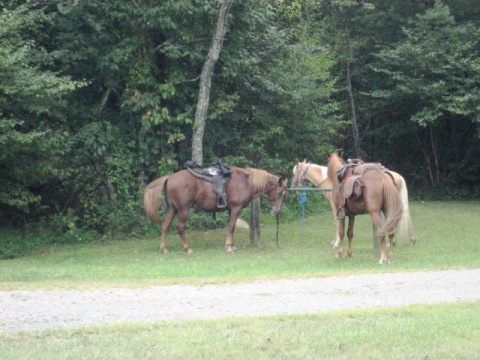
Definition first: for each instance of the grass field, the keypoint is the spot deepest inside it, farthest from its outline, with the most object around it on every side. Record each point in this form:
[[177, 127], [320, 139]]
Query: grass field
[[417, 332], [447, 239]]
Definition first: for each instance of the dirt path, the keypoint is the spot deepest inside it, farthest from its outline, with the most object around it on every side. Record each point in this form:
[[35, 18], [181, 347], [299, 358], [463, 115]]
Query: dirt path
[[41, 309]]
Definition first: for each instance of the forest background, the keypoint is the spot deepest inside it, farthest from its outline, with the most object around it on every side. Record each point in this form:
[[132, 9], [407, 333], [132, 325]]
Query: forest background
[[97, 98]]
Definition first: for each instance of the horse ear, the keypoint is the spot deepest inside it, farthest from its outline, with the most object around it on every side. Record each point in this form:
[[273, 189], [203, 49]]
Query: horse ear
[[305, 161], [328, 154], [340, 153]]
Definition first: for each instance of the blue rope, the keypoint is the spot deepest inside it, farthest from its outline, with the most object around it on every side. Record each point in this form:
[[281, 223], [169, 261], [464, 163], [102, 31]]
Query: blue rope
[[302, 201]]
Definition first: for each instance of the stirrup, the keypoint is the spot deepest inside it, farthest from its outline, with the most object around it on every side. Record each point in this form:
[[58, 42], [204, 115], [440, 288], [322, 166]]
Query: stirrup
[[221, 202]]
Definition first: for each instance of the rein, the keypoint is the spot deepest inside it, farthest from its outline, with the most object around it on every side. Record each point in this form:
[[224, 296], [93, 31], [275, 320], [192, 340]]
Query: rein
[[304, 176], [319, 185], [278, 223], [278, 215]]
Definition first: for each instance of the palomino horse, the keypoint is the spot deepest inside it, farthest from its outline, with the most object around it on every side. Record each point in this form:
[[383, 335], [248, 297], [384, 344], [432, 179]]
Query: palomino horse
[[378, 194], [317, 175], [181, 191]]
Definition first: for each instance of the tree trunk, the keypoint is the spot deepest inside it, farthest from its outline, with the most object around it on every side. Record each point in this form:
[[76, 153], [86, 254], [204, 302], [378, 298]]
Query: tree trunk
[[427, 159], [206, 83], [351, 98]]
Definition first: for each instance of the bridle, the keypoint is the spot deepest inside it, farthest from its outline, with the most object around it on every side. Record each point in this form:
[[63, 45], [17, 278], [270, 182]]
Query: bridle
[[277, 193], [301, 178]]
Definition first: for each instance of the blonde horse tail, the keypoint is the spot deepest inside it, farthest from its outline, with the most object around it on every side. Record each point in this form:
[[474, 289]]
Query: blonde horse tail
[[393, 208], [405, 228], [153, 199]]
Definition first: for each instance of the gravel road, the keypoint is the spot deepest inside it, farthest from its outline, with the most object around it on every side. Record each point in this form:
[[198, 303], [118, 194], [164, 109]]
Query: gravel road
[[44, 309]]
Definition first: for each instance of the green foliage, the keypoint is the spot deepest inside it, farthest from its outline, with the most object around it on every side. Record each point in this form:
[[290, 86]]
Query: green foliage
[[103, 181], [32, 100], [98, 98], [430, 81], [436, 67]]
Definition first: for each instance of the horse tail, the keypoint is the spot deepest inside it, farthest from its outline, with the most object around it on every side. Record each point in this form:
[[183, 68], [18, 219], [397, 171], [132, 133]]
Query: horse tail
[[405, 228], [393, 208], [153, 199]]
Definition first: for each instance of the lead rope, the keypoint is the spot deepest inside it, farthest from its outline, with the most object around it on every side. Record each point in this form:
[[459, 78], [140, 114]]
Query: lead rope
[[302, 201], [278, 222]]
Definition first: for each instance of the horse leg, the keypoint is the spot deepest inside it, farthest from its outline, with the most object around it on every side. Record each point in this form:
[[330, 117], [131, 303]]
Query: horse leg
[[335, 243], [377, 223], [413, 240], [351, 222], [165, 225], [341, 234], [181, 221], [392, 242], [232, 220]]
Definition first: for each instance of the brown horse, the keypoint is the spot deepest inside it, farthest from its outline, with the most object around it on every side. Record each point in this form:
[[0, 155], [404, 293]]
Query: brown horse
[[181, 191], [318, 176], [378, 194]]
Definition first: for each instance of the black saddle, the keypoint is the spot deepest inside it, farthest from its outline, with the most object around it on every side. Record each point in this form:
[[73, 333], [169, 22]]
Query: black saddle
[[218, 174]]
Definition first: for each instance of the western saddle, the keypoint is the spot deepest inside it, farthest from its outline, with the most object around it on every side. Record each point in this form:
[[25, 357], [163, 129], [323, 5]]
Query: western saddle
[[218, 174], [350, 184]]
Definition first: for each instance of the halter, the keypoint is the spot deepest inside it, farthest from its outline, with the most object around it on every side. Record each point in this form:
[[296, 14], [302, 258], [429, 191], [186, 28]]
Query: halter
[[277, 193], [301, 178]]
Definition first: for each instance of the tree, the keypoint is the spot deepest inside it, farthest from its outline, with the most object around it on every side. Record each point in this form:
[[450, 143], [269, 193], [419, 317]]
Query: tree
[[436, 71], [281, 85], [33, 97], [340, 29], [206, 82]]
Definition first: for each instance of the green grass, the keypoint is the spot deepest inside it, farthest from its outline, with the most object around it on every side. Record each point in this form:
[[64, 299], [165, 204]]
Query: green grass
[[446, 233], [447, 239], [416, 332]]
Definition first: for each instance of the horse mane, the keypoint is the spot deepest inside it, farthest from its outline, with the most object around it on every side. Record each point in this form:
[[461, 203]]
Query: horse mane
[[335, 162], [258, 178]]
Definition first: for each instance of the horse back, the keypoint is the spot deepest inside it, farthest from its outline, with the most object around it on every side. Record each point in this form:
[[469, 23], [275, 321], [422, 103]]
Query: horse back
[[184, 190]]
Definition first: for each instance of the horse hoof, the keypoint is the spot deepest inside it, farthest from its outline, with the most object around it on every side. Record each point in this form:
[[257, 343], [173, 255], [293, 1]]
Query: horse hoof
[[165, 251], [231, 249], [335, 244], [382, 261], [189, 251]]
